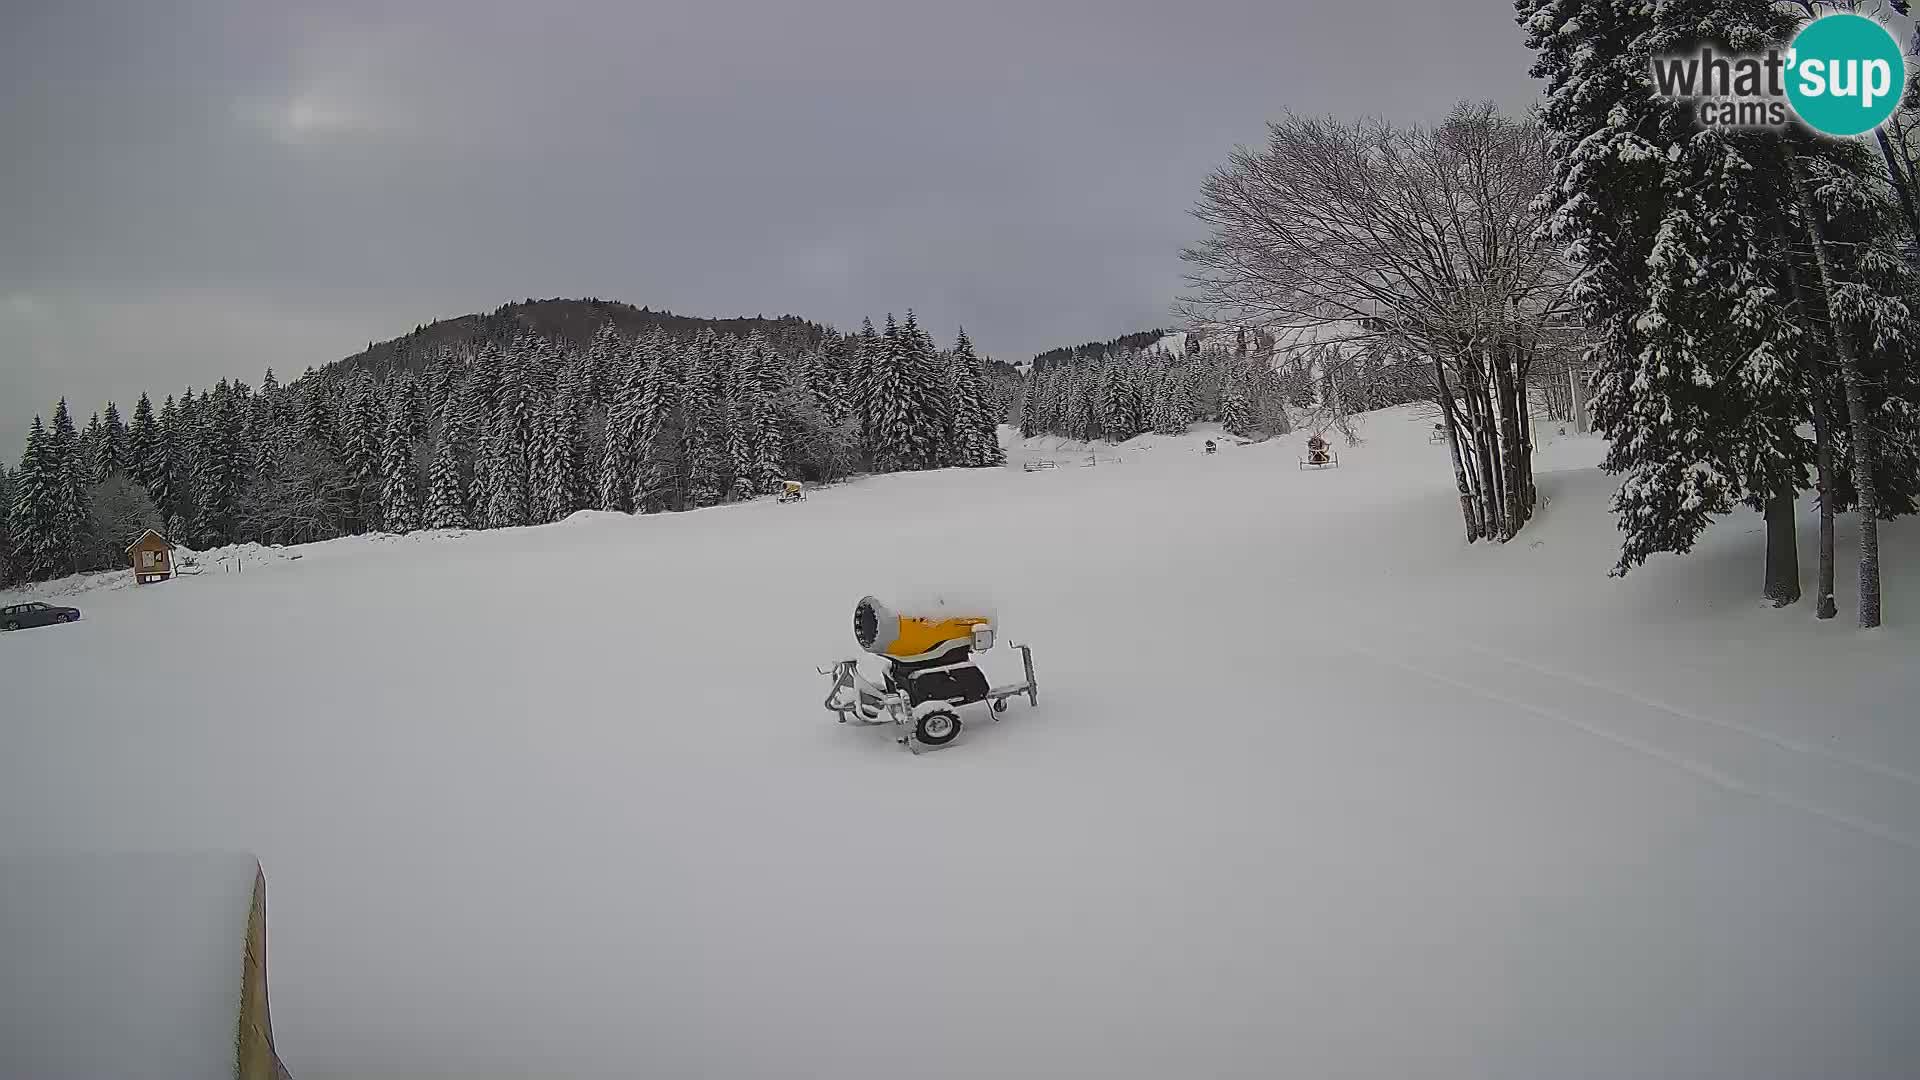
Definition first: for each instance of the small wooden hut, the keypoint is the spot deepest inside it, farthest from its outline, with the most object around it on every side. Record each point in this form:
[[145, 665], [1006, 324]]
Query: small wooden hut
[[151, 557]]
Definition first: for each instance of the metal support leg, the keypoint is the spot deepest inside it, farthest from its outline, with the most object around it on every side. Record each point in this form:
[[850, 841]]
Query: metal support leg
[[1033, 687]]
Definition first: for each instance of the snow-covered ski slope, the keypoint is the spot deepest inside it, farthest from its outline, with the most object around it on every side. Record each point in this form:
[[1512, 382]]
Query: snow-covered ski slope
[[1314, 789]]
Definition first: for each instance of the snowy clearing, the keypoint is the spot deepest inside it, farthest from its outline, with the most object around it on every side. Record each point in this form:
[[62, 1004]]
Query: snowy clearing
[[1313, 788]]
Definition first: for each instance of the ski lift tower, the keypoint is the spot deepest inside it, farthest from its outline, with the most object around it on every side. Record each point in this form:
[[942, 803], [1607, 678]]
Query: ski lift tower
[[1580, 391], [1579, 380]]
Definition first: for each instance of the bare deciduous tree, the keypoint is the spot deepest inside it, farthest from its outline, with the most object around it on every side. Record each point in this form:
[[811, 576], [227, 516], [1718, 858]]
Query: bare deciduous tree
[[1421, 240]]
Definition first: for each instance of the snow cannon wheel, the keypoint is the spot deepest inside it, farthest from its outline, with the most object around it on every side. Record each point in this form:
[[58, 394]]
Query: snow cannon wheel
[[1000, 704], [937, 727]]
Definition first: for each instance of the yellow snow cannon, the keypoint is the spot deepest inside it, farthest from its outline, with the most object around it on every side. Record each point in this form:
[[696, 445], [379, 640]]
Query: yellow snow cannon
[[883, 631], [928, 646]]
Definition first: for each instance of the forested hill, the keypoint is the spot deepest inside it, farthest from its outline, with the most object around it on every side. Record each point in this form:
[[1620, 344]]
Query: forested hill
[[568, 322], [1141, 340]]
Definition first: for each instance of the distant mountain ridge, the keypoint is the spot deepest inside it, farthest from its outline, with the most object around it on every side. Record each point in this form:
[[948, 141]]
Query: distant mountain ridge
[[570, 322]]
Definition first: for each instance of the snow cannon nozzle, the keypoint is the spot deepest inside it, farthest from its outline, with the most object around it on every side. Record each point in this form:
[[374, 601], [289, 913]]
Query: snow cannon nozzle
[[919, 630]]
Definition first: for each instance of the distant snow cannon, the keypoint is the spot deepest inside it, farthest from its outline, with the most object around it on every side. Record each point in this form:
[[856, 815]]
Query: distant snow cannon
[[928, 644]]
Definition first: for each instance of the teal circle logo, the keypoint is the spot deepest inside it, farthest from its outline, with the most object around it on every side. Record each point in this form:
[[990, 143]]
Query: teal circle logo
[[1845, 74]]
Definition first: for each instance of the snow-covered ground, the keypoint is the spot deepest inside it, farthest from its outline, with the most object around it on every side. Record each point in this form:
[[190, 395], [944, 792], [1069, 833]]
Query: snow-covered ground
[[122, 965], [1313, 789]]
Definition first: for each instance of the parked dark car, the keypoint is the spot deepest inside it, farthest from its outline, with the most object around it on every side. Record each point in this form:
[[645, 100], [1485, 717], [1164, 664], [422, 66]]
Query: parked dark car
[[21, 616]]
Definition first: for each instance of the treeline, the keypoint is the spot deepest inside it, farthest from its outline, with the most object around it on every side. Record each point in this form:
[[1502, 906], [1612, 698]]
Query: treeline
[[1134, 342], [1117, 393], [503, 434]]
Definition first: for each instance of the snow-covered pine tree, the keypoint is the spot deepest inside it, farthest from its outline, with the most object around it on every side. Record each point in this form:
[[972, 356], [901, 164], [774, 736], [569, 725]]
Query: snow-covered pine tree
[[901, 436], [740, 424], [660, 423], [704, 426], [760, 461], [143, 445], [1116, 398], [543, 463], [399, 479], [270, 430], [92, 440], [406, 400], [219, 470], [184, 441], [1236, 411], [975, 438], [163, 482], [1165, 406], [505, 474], [362, 431], [571, 402], [555, 456], [887, 400], [602, 372], [1184, 400], [869, 355], [319, 427], [1055, 399], [361, 428], [934, 408], [1030, 404], [440, 383], [482, 388], [828, 375], [990, 393], [507, 452], [42, 546], [620, 454], [447, 490], [1675, 231], [10, 572], [547, 356], [1079, 389], [71, 517]]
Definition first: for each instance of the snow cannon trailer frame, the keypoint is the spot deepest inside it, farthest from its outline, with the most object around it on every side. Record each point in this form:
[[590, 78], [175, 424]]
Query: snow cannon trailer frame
[[930, 675]]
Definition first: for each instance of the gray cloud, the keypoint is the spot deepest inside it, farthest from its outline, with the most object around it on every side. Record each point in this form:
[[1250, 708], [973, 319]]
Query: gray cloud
[[206, 189]]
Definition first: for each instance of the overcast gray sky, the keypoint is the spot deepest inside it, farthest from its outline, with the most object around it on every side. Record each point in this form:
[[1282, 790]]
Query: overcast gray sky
[[190, 190]]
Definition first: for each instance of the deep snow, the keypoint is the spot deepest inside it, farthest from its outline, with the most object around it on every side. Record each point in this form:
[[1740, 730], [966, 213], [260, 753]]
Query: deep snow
[[1313, 789]]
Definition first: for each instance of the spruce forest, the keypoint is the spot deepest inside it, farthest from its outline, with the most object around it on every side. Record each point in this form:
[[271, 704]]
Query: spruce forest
[[519, 430]]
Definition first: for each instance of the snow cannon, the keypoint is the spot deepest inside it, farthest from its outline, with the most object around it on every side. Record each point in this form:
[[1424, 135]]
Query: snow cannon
[[920, 636], [928, 646]]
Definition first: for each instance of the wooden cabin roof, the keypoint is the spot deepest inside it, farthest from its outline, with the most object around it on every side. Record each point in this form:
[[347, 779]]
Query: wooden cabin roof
[[142, 539]]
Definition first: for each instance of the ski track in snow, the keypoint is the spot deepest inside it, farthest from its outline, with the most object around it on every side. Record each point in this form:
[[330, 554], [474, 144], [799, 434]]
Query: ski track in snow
[[1771, 738], [1705, 772]]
